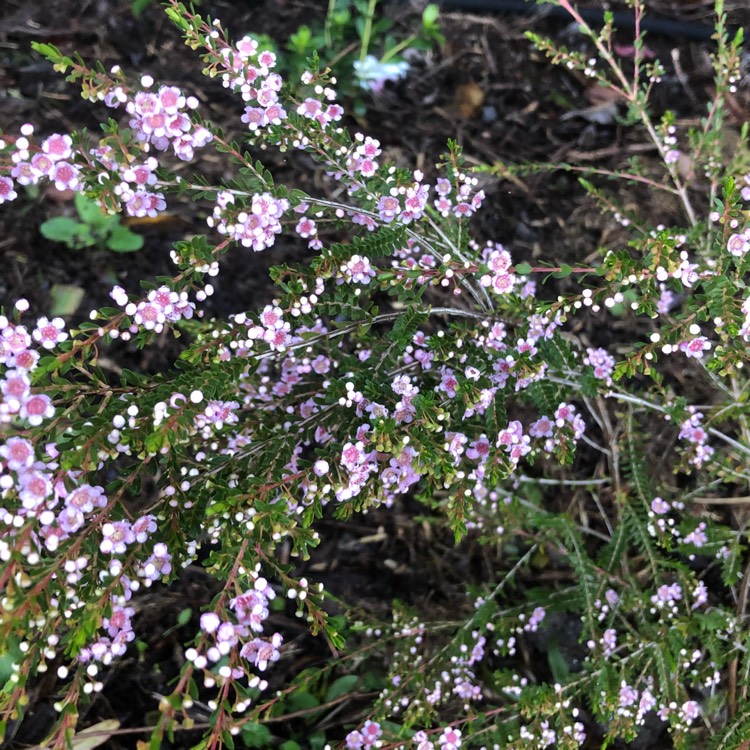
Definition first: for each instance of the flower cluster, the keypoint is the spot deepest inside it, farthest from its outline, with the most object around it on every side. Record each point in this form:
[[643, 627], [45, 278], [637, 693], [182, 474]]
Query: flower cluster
[[250, 610], [602, 362], [398, 362], [52, 160], [161, 118], [255, 225], [693, 432]]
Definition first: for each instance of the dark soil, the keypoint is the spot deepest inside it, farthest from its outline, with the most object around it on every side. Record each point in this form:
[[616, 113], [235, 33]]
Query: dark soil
[[487, 89]]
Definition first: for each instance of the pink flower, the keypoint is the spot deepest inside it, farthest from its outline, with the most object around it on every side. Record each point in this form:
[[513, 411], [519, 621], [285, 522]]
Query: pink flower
[[7, 193], [353, 455], [354, 740], [255, 117], [267, 59], [25, 360], [448, 383], [116, 537], [542, 428], [158, 565], [659, 506], [14, 339], [738, 245], [58, 147], [261, 652], [602, 363], [171, 99], [65, 176], [371, 731], [18, 453], [310, 108], [305, 227], [450, 739], [143, 527], [36, 409], [34, 486], [15, 388], [85, 498], [690, 711], [479, 449], [49, 333], [695, 347]]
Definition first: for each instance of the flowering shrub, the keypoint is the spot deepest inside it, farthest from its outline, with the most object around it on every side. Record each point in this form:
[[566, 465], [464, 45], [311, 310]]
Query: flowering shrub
[[401, 360]]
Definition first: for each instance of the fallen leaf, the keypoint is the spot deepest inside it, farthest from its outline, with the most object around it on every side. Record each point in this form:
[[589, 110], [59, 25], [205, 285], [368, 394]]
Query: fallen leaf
[[602, 114], [91, 737], [468, 100], [65, 300]]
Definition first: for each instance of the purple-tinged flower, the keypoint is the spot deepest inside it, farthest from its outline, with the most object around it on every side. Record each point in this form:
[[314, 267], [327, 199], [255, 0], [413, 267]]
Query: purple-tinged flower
[[738, 245], [695, 347], [698, 536], [450, 739], [602, 362], [357, 270], [659, 506], [158, 564], [49, 333], [535, 620], [261, 652], [690, 711], [700, 595], [448, 383], [18, 453], [354, 740], [609, 641], [7, 192], [667, 596], [388, 207], [628, 695], [116, 537], [36, 409]]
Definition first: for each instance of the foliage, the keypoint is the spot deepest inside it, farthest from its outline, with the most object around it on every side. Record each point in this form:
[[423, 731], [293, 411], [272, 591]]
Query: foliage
[[95, 228], [401, 361]]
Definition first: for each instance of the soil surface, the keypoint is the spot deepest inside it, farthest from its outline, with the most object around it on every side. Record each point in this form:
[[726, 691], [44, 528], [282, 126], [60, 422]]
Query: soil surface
[[485, 87]]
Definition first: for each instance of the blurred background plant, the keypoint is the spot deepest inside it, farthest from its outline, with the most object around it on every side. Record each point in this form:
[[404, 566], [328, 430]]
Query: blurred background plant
[[93, 228], [362, 47]]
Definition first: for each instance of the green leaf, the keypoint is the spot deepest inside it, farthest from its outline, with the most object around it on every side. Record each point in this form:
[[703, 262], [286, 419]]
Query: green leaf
[[430, 15], [11, 655], [557, 664], [122, 240], [91, 212], [256, 735], [138, 6], [177, 19], [301, 700], [62, 229], [300, 41], [341, 686], [524, 269]]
